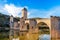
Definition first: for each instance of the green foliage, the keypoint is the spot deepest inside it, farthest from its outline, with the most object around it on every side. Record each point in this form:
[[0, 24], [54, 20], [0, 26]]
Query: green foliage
[[4, 36], [4, 39], [3, 19]]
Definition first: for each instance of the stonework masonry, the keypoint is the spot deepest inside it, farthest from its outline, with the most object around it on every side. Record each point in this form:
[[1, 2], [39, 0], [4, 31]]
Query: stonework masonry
[[32, 25]]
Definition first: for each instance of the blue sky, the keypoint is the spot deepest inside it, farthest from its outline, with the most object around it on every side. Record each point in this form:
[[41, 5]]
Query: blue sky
[[36, 8]]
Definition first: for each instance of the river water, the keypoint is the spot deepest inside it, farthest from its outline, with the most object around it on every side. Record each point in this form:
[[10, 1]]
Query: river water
[[41, 37], [44, 37]]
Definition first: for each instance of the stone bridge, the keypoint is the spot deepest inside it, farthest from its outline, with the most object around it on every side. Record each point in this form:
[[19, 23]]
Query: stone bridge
[[53, 23]]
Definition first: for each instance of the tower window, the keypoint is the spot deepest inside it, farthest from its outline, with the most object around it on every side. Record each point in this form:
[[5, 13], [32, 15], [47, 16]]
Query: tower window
[[32, 27], [28, 26]]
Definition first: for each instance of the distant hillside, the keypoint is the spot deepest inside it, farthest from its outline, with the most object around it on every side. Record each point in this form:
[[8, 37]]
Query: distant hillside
[[4, 20]]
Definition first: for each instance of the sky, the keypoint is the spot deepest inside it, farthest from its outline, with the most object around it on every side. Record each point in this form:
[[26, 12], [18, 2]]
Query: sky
[[36, 8]]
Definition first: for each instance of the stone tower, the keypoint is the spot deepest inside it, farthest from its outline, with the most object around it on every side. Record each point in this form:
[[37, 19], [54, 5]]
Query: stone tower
[[11, 21], [11, 27], [23, 29], [24, 13], [22, 20]]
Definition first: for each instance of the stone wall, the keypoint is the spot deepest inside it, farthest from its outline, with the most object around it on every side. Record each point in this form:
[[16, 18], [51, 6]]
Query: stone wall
[[55, 28]]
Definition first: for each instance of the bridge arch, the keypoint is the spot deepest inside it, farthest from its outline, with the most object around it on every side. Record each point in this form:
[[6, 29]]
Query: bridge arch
[[46, 21], [43, 27]]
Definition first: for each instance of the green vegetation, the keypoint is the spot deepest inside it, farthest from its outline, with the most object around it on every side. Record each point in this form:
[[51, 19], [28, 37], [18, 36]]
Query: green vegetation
[[4, 36], [4, 23], [4, 20]]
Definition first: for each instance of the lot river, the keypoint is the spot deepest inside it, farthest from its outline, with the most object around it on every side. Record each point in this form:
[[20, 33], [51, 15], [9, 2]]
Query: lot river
[[44, 37]]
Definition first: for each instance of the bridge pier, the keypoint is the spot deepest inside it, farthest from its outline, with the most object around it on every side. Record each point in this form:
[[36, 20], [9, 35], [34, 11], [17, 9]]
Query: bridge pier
[[55, 28]]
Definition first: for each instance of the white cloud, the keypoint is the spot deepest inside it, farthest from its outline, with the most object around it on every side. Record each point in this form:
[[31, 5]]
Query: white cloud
[[16, 11], [12, 9], [37, 13], [54, 11], [2, 10]]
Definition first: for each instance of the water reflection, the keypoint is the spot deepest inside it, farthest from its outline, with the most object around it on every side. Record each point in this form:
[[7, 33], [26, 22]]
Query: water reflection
[[44, 37]]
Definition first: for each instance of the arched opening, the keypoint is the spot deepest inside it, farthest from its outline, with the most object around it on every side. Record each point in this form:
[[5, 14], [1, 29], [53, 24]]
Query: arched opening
[[43, 30], [27, 25]]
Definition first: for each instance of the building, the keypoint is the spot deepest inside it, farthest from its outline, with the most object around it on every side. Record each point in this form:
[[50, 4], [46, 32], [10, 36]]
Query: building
[[33, 25]]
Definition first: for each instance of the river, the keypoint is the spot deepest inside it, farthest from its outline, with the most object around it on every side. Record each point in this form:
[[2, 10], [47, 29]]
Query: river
[[44, 37]]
